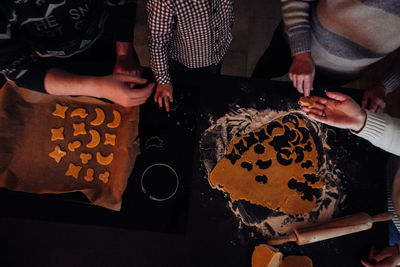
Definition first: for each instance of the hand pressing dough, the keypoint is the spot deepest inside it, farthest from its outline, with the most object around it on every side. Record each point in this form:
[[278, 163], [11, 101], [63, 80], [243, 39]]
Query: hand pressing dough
[[73, 170], [95, 139], [85, 157], [297, 261], [117, 120], [57, 154], [79, 128], [104, 160], [89, 175], [79, 112], [266, 256], [100, 116], [74, 145], [104, 177], [110, 139], [60, 111], [57, 134], [306, 101]]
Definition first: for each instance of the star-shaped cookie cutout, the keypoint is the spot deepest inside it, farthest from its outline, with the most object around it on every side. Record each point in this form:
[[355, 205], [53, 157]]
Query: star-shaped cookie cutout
[[57, 134], [57, 154], [73, 170], [110, 139], [79, 128], [60, 111]]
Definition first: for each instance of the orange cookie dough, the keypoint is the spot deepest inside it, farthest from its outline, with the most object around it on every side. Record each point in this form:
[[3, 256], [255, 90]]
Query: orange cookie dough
[[60, 111], [79, 128], [266, 256], [306, 101], [57, 154], [117, 120], [89, 175], [104, 177], [95, 139], [297, 261], [73, 170], [274, 166], [85, 157], [57, 134], [110, 139], [104, 160], [100, 116], [74, 145], [79, 112]]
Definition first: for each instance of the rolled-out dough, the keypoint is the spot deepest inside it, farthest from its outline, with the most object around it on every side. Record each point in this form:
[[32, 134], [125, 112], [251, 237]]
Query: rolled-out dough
[[266, 256], [296, 261]]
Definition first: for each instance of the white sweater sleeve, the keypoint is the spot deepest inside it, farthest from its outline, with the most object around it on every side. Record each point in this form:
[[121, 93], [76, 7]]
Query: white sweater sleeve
[[382, 131]]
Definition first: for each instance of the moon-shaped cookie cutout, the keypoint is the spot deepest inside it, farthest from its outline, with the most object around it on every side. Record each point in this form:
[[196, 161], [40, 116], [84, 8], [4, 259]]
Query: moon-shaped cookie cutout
[[95, 139], [79, 112], [104, 160], [100, 116], [117, 120]]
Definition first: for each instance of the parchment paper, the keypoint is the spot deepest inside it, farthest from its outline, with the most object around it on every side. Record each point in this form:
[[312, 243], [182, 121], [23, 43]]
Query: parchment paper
[[26, 121]]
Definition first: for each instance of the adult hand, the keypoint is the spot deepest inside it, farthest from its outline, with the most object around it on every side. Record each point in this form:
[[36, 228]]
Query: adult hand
[[126, 64], [115, 88], [388, 257], [164, 93], [375, 96], [340, 111], [302, 72]]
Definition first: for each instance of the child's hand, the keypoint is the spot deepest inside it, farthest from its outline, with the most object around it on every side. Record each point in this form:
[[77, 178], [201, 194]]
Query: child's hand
[[164, 92]]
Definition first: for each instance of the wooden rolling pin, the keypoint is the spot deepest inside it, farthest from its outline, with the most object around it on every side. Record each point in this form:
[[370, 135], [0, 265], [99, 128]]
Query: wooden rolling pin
[[334, 228]]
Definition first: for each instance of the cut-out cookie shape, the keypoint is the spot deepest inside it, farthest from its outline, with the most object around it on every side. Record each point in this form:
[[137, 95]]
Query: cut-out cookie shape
[[274, 166], [110, 139], [89, 175], [95, 139], [60, 111], [73, 170], [100, 116], [85, 157], [74, 145], [297, 261], [117, 120], [306, 101], [104, 160], [57, 154], [57, 134], [266, 256], [79, 112], [104, 177], [79, 128]]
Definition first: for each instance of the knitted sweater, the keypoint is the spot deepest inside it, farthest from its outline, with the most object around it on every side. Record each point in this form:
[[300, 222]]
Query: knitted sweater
[[382, 131], [35, 29], [345, 37]]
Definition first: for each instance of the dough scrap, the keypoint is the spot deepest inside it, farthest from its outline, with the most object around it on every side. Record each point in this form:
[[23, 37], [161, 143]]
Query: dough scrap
[[60, 111], [74, 145], [306, 101], [104, 160], [274, 166], [100, 116], [79, 128], [104, 177], [57, 134], [266, 256], [79, 112], [89, 175], [297, 261], [117, 120], [95, 139], [73, 170], [85, 157], [57, 154], [110, 139]]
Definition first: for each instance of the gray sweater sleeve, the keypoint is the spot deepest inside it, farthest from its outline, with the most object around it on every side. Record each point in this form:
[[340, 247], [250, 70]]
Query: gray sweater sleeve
[[296, 18], [391, 79], [382, 131]]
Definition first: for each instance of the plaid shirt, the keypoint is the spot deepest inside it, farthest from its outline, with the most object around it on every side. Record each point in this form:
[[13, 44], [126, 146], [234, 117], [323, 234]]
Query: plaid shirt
[[196, 33]]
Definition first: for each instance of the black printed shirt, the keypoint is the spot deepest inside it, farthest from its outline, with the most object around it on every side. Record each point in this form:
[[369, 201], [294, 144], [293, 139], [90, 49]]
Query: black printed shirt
[[35, 29], [196, 33]]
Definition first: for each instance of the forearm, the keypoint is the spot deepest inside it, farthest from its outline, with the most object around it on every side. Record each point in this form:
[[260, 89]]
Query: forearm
[[124, 49]]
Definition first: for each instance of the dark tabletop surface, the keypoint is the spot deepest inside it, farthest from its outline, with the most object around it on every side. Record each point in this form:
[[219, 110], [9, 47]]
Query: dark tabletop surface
[[189, 229]]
